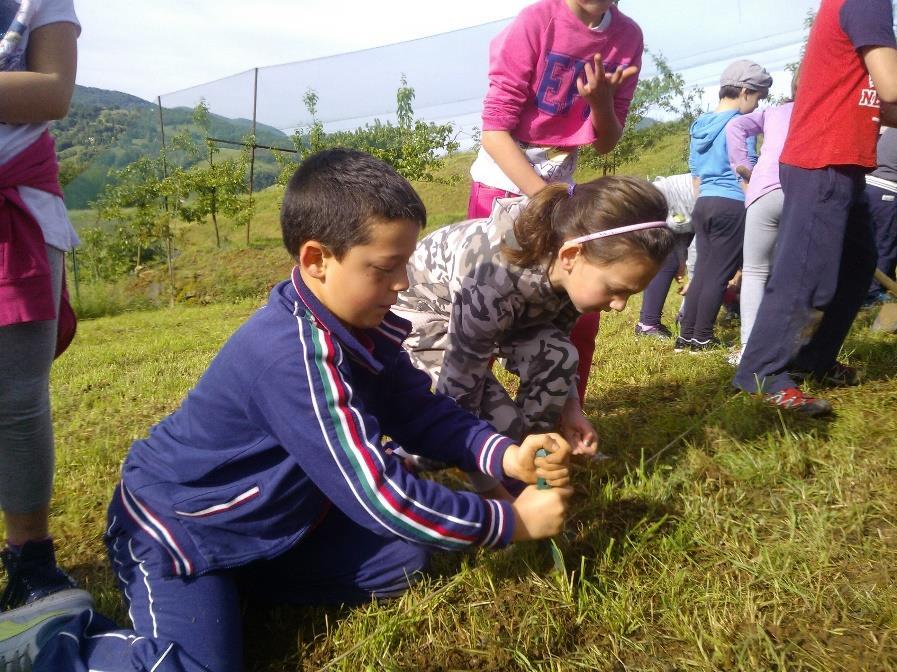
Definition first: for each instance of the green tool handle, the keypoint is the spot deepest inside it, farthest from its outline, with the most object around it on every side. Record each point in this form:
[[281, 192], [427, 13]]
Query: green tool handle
[[541, 483]]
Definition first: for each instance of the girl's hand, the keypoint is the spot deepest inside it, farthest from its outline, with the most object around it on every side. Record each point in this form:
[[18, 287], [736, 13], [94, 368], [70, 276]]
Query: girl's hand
[[520, 462], [539, 514], [598, 87], [577, 429], [683, 289]]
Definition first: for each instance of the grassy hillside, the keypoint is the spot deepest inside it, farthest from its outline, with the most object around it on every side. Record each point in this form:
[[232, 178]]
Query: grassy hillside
[[204, 274], [105, 130]]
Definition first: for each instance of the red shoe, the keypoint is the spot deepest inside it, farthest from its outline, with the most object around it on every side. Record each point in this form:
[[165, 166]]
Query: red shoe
[[793, 399]]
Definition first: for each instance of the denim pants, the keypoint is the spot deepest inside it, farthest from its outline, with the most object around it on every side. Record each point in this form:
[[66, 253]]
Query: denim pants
[[824, 259]]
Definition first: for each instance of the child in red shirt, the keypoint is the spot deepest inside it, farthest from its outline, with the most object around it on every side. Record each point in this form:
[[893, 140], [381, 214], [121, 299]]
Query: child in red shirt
[[825, 253]]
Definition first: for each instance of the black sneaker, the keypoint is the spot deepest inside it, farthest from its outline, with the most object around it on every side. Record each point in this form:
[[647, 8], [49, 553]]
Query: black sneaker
[[712, 343], [682, 344], [25, 630], [793, 399], [32, 574], [659, 331], [840, 375]]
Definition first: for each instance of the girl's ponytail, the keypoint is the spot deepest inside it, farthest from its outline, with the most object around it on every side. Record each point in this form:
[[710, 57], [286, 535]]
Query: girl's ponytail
[[556, 215], [536, 236]]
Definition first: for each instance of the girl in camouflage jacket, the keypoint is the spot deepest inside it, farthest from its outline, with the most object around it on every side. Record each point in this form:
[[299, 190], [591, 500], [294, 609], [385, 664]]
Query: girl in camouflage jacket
[[512, 285]]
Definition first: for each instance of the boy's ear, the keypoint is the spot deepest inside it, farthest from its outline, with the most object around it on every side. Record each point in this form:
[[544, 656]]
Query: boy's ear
[[313, 258]]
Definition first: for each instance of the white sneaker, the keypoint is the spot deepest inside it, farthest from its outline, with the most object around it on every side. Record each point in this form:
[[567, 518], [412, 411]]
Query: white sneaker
[[734, 358]]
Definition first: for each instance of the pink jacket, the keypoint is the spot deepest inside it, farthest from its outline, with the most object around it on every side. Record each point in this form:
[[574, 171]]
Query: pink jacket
[[26, 294], [533, 67]]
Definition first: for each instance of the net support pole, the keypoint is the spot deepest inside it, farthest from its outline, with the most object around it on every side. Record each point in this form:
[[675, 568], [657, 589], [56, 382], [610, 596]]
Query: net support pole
[[75, 276], [255, 99], [164, 151]]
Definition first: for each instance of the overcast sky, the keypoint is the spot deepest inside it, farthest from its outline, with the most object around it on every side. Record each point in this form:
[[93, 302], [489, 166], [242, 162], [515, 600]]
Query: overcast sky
[[159, 47], [149, 47]]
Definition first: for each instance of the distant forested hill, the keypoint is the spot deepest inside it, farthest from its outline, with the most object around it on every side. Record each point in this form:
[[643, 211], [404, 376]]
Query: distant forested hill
[[105, 130]]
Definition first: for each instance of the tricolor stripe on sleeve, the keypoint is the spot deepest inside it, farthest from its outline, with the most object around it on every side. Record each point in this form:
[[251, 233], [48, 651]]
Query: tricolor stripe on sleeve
[[344, 433]]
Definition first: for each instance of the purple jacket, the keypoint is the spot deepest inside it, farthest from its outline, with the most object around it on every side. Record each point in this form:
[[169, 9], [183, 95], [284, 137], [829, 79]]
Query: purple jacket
[[773, 123]]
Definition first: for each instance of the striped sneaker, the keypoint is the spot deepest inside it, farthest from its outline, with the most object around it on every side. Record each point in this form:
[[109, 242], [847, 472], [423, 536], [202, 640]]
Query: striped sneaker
[[793, 399], [711, 344], [682, 344]]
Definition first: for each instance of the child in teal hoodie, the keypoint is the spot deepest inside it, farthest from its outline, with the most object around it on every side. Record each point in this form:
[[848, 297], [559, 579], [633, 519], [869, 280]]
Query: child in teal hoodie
[[718, 216]]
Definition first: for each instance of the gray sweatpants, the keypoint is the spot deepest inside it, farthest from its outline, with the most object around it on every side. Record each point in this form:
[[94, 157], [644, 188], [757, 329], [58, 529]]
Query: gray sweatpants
[[26, 428], [760, 230]]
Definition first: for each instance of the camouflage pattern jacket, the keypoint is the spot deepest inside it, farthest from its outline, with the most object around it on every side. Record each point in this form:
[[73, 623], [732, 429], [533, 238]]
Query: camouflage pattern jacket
[[466, 301]]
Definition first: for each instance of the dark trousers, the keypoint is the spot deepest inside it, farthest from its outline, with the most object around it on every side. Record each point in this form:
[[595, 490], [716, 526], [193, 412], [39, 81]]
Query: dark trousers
[[719, 230], [194, 624], [656, 292], [883, 207], [824, 259]]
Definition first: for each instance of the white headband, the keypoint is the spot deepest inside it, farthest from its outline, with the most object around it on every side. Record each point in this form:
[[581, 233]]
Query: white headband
[[616, 232]]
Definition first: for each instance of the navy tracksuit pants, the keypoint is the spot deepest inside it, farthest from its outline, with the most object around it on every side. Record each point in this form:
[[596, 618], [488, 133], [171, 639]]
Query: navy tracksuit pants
[[824, 259], [655, 294], [883, 206], [719, 229], [194, 624]]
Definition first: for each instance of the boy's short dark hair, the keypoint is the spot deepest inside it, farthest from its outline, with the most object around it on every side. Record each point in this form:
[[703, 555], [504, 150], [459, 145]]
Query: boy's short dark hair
[[336, 194], [729, 91]]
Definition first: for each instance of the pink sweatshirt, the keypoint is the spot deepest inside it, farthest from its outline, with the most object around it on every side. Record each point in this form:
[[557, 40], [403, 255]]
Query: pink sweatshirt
[[533, 66], [773, 123]]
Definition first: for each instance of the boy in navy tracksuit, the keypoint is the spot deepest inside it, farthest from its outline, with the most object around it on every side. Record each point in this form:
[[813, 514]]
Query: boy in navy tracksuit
[[271, 476]]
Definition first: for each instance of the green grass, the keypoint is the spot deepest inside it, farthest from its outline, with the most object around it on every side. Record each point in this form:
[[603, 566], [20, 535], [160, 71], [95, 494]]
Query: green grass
[[721, 534]]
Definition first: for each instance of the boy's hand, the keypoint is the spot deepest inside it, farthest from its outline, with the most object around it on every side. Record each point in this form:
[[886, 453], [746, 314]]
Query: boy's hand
[[520, 462], [598, 87], [577, 429], [540, 514]]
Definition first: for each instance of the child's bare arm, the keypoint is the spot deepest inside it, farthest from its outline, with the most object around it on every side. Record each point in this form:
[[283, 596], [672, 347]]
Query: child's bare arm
[[42, 93], [881, 62], [888, 114], [510, 158]]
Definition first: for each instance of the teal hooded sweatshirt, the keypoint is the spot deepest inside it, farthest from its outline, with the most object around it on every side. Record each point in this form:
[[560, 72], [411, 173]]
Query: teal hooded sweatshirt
[[708, 157]]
